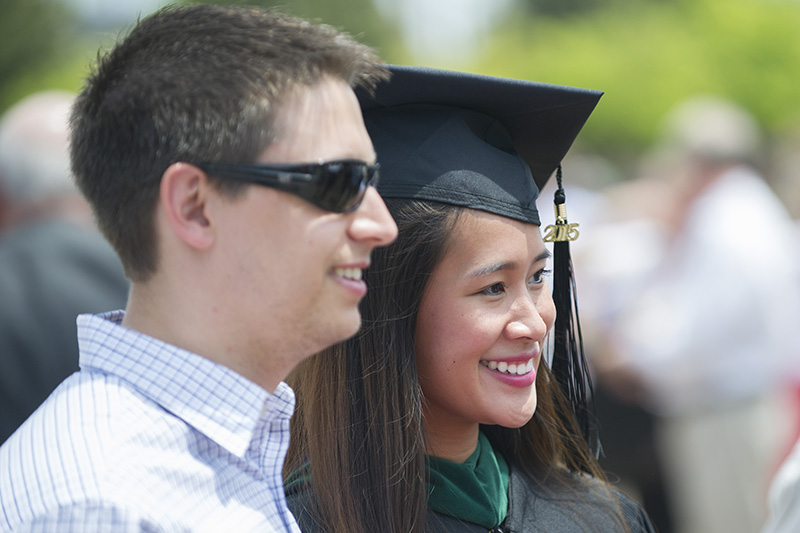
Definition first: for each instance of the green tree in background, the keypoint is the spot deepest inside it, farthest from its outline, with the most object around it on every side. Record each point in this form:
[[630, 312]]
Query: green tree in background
[[571, 8], [33, 33], [357, 17], [44, 46], [647, 56]]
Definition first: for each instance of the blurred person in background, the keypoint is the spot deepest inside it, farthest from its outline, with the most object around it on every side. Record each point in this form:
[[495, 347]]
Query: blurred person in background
[[629, 453], [54, 264], [784, 492], [784, 496], [700, 321]]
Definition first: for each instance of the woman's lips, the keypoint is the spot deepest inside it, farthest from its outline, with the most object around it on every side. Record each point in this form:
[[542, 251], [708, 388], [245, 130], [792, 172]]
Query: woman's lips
[[351, 278]]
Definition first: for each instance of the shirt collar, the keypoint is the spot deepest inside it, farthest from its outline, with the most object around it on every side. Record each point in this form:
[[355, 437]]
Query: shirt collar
[[215, 400]]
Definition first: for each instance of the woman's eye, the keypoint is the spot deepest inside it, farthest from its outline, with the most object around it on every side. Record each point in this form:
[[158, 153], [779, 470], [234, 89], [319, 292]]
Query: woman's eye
[[539, 277], [494, 290]]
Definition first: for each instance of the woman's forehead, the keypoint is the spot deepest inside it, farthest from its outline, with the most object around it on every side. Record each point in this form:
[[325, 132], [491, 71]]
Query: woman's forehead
[[480, 238]]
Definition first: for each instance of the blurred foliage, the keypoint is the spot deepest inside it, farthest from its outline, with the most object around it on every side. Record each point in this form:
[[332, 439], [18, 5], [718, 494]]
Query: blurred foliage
[[43, 46], [359, 18], [649, 55], [36, 37], [568, 8], [646, 55]]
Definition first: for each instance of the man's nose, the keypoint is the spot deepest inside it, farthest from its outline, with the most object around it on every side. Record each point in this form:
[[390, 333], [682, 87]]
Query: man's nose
[[373, 222]]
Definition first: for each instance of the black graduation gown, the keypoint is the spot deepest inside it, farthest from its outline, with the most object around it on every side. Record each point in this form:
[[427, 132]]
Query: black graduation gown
[[560, 510], [530, 510]]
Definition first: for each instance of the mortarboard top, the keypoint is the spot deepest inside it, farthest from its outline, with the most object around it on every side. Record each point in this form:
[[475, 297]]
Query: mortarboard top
[[477, 141]]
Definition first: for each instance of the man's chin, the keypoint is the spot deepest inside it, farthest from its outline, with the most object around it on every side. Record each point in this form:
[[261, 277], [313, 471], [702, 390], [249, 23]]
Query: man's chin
[[348, 326], [354, 326]]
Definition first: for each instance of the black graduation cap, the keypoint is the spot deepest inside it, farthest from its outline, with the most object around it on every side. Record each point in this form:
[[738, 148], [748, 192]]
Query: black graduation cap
[[491, 144], [472, 140]]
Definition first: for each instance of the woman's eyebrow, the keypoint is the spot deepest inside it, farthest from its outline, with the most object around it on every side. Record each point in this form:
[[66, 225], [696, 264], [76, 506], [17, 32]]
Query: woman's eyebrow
[[506, 265], [542, 256], [491, 269]]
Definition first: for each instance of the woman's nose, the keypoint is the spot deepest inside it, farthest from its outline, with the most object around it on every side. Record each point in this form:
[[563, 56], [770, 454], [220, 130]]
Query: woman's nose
[[531, 319]]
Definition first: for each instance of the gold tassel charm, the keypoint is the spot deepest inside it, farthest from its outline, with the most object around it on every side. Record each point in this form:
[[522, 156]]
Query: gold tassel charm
[[562, 230]]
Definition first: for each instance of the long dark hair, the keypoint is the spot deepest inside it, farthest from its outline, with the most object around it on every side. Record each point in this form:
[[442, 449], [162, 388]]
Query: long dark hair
[[358, 424]]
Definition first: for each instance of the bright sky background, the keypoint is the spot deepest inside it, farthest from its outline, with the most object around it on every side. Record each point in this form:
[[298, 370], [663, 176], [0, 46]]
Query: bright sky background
[[444, 30], [114, 12]]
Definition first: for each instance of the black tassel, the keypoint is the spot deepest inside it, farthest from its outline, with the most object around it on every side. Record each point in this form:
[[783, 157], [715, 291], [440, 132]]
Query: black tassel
[[569, 364]]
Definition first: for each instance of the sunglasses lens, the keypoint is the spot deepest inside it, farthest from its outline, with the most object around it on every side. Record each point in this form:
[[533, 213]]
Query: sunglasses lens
[[337, 186], [342, 185]]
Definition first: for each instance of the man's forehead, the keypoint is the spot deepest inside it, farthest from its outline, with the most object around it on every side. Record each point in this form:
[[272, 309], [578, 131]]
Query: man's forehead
[[320, 122]]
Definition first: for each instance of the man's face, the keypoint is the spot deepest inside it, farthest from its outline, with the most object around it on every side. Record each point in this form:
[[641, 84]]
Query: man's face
[[295, 269]]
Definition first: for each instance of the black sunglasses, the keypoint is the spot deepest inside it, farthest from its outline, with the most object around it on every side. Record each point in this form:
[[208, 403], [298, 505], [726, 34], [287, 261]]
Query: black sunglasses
[[337, 186]]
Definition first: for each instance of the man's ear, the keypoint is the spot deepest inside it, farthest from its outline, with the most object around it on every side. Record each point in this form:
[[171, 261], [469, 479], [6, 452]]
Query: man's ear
[[184, 196]]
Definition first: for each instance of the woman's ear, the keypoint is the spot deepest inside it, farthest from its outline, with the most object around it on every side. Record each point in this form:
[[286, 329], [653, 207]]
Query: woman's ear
[[184, 196]]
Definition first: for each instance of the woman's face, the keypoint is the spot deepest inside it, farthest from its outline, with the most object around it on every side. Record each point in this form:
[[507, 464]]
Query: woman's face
[[481, 324]]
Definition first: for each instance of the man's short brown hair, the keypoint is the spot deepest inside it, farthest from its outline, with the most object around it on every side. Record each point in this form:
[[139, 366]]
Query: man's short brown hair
[[197, 83]]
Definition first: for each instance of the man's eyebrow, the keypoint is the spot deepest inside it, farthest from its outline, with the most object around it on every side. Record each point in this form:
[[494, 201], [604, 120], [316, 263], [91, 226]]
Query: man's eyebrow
[[506, 265]]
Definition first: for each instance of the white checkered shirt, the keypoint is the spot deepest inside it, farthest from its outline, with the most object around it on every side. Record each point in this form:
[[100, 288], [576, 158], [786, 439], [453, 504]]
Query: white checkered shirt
[[148, 437]]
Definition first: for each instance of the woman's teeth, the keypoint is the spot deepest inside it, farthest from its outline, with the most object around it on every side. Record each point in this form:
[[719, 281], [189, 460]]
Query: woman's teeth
[[349, 273], [519, 369]]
